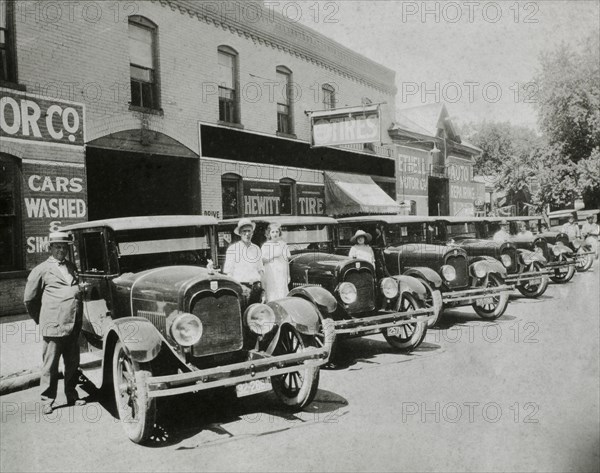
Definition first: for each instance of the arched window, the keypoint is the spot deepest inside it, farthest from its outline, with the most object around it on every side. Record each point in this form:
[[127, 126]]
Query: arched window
[[287, 190], [143, 62], [228, 80], [284, 105], [10, 215], [328, 97], [231, 190]]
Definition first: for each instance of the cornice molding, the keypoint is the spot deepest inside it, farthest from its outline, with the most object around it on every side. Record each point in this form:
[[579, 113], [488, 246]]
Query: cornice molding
[[274, 31]]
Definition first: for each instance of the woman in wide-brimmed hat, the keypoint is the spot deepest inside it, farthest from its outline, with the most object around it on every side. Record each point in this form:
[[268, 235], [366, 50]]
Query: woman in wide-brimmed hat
[[361, 248]]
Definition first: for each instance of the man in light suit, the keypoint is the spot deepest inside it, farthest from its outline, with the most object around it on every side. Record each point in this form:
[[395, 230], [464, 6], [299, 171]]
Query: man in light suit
[[52, 300]]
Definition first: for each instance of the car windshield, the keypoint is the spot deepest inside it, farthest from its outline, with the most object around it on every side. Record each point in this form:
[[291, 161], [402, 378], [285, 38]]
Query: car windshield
[[139, 250], [307, 237], [460, 231], [403, 233]]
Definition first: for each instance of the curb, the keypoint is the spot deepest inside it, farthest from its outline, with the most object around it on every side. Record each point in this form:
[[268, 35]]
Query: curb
[[31, 378]]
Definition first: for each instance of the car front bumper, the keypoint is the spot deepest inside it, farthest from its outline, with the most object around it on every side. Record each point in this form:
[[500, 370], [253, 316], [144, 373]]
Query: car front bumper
[[383, 319], [469, 296], [259, 366], [519, 278]]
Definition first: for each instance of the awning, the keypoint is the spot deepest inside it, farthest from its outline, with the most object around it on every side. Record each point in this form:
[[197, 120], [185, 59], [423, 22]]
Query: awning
[[350, 194]]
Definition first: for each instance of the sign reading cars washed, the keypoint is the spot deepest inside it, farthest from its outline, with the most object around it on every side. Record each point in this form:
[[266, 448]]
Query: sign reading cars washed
[[36, 118]]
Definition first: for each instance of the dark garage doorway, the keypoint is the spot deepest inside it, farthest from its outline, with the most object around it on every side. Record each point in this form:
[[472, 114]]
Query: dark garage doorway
[[438, 196], [126, 184]]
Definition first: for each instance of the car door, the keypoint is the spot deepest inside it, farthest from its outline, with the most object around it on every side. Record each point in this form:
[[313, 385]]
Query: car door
[[95, 276]]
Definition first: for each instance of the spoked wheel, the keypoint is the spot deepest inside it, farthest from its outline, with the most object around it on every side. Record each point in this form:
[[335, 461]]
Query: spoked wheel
[[493, 306], [297, 389], [563, 275], [409, 336], [433, 299], [584, 262], [534, 287], [136, 410]]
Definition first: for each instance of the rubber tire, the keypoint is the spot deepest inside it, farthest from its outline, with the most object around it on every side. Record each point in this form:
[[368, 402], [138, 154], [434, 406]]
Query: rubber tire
[[500, 307], [406, 345], [541, 288], [589, 260], [433, 295], [566, 278], [138, 424], [292, 398]]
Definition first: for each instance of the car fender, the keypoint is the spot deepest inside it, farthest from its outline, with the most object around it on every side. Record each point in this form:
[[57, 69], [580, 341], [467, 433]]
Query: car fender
[[493, 266], [141, 339], [302, 314], [411, 285], [321, 298], [427, 274], [531, 256]]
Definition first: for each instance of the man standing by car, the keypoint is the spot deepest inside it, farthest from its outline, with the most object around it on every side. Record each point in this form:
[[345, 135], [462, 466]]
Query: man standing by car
[[52, 300], [571, 228], [243, 261], [590, 231]]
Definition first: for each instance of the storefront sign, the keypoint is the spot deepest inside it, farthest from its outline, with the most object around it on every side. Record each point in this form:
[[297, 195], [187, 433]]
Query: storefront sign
[[35, 118], [261, 198], [311, 200], [54, 195], [413, 172], [346, 126], [462, 187]]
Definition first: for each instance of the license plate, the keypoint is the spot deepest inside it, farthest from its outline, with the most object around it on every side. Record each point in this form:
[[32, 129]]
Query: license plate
[[253, 387], [395, 331], [485, 301]]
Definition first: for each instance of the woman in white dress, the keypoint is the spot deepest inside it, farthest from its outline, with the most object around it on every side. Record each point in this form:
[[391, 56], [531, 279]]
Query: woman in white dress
[[276, 256], [361, 248]]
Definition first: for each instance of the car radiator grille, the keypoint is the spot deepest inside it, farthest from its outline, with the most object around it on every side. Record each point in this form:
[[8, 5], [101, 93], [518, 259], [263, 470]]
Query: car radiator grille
[[221, 319], [363, 281], [545, 250], [462, 274]]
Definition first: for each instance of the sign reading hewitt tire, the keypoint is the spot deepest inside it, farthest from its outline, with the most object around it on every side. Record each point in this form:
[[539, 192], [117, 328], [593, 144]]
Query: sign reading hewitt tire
[[346, 126]]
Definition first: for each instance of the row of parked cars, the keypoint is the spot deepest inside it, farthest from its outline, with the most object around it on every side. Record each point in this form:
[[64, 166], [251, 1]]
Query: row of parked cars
[[165, 321]]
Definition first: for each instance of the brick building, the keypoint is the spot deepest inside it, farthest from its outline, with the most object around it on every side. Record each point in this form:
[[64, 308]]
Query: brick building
[[114, 109]]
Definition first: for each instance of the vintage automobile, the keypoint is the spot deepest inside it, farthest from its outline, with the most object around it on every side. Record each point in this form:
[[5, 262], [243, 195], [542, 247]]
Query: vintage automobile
[[525, 268], [560, 257], [402, 245], [366, 305], [583, 247], [164, 322]]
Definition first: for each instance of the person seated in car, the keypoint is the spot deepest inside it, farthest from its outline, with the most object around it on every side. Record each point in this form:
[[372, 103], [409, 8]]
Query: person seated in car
[[502, 235], [524, 231], [361, 249], [571, 228]]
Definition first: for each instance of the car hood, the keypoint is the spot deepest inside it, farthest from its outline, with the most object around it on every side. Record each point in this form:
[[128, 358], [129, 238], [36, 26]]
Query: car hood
[[425, 252], [166, 283]]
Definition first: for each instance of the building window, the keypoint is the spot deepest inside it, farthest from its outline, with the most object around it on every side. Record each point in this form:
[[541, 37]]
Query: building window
[[231, 187], [10, 224], [142, 63], [287, 189], [228, 97], [8, 66], [284, 107], [328, 97]]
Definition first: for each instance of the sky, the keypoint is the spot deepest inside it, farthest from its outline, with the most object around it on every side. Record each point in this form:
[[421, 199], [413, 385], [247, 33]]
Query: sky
[[479, 57]]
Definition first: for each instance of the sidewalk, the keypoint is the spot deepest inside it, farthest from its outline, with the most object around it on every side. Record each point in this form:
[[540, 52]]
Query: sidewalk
[[20, 353]]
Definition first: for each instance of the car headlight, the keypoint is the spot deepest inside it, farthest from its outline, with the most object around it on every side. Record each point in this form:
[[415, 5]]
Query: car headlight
[[480, 269], [556, 250], [260, 318], [506, 261], [347, 292], [186, 329], [448, 272], [576, 244], [389, 287]]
